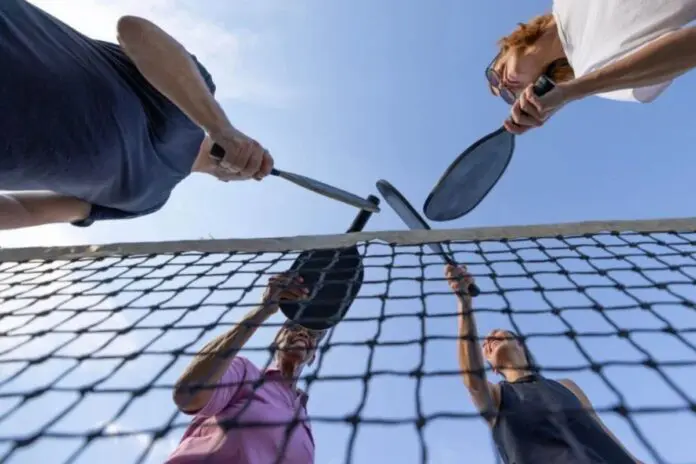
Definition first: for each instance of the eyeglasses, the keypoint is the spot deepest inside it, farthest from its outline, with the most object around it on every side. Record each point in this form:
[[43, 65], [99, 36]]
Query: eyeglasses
[[496, 82]]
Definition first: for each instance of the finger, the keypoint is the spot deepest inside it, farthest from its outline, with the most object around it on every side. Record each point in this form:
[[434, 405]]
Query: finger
[[296, 291], [292, 295], [513, 128], [535, 101], [255, 159], [522, 119], [529, 108], [236, 158], [245, 154], [266, 165], [519, 116]]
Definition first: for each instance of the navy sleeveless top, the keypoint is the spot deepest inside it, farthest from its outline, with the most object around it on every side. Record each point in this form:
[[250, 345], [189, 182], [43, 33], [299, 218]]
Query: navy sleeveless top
[[77, 118], [526, 432]]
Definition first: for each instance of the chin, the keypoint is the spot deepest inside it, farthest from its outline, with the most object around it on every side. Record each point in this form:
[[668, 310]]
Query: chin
[[293, 357]]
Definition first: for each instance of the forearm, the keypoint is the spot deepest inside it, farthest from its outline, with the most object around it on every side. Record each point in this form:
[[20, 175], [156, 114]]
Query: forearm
[[660, 61], [167, 65], [470, 355], [194, 387], [29, 209]]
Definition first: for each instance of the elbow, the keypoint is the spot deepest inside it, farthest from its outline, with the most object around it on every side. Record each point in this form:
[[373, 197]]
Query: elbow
[[131, 30]]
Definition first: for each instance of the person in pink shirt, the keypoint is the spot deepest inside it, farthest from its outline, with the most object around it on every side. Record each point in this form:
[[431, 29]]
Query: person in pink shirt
[[241, 414]]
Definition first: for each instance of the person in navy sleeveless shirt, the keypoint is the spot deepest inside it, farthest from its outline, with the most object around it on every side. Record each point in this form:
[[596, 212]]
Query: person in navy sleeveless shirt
[[534, 420], [93, 130]]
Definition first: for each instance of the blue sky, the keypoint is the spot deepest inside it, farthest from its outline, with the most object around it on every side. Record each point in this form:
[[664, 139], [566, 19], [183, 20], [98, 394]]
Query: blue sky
[[350, 92]]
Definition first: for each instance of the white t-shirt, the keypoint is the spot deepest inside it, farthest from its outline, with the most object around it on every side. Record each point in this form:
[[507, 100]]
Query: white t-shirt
[[596, 33]]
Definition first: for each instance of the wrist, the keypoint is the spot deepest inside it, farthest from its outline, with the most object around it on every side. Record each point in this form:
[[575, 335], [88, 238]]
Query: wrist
[[577, 89], [268, 308], [220, 127]]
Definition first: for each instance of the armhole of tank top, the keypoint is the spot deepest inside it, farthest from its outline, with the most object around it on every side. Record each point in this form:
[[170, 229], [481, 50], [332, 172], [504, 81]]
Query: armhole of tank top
[[499, 407]]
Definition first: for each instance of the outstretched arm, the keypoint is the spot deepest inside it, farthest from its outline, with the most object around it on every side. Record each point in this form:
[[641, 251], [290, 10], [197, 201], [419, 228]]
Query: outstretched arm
[[195, 387], [485, 395], [577, 391], [660, 61], [167, 65], [197, 384]]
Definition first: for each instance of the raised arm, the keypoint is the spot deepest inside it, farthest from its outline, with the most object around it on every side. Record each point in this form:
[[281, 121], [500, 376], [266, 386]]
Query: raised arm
[[658, 62], [29, 209], [580, 394], [485, 395], [197, 384], [167, 65]]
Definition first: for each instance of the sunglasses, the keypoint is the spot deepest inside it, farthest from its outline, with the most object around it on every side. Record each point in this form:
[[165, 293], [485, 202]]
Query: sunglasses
[[495, 81]]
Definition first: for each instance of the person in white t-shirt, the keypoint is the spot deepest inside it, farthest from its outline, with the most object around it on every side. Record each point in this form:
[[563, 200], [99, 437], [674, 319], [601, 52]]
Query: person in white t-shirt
[[628, 50]]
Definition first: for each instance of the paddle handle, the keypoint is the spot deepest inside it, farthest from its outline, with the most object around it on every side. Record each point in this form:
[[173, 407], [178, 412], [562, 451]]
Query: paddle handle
[[473, 289], [217, 152], [543, 85], [363, 216]]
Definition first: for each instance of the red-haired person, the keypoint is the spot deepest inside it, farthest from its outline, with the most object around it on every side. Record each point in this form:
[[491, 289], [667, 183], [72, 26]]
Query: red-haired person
[[626, 50]]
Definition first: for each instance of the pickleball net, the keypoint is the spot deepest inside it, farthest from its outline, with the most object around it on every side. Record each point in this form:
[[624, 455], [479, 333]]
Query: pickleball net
[[92, 339]]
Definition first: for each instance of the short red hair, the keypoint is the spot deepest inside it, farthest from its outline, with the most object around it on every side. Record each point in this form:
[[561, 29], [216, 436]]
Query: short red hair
[[526, 35]]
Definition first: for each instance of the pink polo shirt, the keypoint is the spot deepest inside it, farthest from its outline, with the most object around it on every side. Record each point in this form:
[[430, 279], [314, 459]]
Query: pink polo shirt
[[207, 441]]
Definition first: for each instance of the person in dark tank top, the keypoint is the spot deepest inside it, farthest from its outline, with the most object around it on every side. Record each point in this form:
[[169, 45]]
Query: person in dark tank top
[[534, 420], [93, 130]]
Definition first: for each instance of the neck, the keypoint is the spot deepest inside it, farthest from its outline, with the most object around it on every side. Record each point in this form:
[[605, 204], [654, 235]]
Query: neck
[[290, 372], [512, 374]]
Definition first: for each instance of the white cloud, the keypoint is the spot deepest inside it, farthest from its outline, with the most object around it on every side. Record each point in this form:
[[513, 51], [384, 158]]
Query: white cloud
[[226, 53], [157, 452]]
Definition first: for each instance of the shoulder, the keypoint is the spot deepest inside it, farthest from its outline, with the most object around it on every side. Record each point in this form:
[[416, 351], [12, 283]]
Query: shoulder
[[243, 364], [575, 390]]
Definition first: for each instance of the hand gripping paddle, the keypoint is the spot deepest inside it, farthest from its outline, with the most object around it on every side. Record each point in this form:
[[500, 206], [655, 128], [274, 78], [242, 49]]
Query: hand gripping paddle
[[334, 278], [414, 221], [314, 185], [471, 176]]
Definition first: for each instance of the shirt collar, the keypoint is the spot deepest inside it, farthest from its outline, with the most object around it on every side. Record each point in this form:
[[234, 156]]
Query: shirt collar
[[273, 371]]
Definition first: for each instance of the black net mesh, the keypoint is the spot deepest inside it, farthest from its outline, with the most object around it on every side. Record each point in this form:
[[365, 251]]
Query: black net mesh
[[90, 347]]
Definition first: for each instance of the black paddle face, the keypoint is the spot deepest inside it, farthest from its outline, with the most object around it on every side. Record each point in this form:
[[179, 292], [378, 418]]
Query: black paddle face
[[475, 172], [334, 278], [470, 177], [414, 221]]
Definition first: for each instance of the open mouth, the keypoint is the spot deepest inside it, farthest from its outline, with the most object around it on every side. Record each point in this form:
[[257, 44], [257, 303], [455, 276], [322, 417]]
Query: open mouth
[[299, 341]]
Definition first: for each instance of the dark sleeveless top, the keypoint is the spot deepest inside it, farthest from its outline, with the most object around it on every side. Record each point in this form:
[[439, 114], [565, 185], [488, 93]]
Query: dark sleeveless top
[[526, 432]]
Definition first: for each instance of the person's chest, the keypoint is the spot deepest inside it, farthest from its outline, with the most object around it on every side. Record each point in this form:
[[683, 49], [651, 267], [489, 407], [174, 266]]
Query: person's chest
[[266, 421]]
